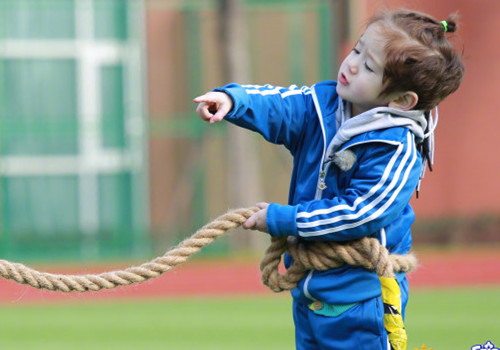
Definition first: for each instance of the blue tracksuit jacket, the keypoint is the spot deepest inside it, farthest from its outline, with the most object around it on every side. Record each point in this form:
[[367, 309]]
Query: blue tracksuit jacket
[[370, 199]]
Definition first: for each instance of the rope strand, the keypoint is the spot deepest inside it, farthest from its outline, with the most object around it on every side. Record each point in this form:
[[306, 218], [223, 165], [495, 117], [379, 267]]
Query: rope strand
[[135, 274], [366, 252]]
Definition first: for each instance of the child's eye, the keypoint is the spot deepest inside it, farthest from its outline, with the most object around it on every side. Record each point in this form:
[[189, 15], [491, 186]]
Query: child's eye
[[356, 51], [368, 67]]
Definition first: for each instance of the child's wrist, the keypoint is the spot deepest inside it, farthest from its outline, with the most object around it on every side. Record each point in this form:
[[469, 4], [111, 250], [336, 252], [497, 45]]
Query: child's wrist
[[281, 220]]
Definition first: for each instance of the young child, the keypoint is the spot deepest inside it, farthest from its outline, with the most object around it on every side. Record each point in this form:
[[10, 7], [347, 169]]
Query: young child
[[401, 68]]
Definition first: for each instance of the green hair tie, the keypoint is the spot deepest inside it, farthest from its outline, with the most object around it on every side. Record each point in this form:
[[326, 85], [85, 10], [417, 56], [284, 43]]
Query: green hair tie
[[445, 25]]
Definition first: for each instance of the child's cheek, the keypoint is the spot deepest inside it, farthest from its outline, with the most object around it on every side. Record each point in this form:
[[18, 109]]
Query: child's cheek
[[366, 90], [360, 90]]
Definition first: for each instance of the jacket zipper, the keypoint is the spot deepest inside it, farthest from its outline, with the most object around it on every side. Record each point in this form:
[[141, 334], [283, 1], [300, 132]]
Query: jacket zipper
[[321, 178], [321, 185]]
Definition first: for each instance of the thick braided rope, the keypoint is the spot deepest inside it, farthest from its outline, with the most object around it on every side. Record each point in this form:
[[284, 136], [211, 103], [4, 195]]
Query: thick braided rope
[[366, 252], [135, 274]]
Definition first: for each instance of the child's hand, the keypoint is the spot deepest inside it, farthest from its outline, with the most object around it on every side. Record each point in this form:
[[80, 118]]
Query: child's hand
[[258, 220], [213, 106]]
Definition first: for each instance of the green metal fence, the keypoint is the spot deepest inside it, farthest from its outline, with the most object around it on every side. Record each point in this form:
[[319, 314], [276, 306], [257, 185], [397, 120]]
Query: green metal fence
[[72, 160], [77, 128]]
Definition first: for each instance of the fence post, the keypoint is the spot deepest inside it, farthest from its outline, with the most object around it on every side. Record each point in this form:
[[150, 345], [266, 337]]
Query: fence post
[[244, 186]]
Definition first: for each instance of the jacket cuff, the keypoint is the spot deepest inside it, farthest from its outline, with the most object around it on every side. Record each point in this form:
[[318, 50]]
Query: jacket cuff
[[281, 220], [239, 96]]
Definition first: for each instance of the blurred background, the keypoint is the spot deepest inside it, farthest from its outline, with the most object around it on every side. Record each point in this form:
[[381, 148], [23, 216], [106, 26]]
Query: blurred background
[[104, 161], [102, 155]]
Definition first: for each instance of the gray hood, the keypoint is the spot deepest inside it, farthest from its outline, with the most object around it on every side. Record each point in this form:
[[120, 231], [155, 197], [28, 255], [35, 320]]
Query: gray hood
[[382, 118], [374, 119]]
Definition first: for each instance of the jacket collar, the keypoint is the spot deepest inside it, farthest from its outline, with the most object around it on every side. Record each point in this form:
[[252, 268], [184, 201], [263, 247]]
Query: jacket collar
[[374, 119]]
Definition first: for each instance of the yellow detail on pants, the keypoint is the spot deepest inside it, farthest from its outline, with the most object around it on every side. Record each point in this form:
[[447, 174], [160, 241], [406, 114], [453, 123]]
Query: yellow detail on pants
[[393, 319]]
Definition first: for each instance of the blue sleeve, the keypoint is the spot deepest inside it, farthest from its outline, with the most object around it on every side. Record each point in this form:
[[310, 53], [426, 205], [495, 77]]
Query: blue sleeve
[[381, 186], [277, 113]]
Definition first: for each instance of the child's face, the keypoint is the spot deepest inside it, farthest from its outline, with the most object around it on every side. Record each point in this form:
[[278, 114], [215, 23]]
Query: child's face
[[360, 74]]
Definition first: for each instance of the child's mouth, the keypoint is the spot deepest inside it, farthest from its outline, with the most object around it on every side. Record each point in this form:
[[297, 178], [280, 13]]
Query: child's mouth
[[343, 79]]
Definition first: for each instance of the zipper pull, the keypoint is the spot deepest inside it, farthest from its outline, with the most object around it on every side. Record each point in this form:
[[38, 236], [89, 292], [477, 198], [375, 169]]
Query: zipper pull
[[322, 185]]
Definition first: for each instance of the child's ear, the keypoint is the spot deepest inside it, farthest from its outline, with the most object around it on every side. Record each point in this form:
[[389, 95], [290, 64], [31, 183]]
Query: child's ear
[[404, 101]]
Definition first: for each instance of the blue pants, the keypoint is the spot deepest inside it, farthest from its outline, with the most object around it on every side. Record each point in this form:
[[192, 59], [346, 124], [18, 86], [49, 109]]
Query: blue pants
[[361, 327]]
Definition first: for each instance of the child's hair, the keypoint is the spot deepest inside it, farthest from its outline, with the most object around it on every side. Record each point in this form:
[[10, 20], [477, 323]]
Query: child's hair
[[419, 57]]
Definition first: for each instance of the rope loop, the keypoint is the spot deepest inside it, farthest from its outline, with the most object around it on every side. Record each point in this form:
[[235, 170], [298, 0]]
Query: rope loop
[[365, 252]]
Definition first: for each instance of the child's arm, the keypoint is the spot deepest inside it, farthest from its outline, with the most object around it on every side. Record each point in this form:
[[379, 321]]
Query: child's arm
[[279, 114], [379, 190]]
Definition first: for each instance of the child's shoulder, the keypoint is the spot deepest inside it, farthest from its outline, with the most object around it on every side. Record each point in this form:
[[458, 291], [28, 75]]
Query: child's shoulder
[[326, 84], [326, 93]]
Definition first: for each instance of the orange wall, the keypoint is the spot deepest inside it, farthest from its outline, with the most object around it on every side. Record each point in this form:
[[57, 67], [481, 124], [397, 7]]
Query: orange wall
[[465, 181]]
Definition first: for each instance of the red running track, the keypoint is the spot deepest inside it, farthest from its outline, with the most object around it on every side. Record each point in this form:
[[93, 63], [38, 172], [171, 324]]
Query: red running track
[[220, 278]]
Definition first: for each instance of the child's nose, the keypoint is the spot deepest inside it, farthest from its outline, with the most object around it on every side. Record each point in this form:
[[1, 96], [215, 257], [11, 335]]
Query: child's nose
[[353, 67]]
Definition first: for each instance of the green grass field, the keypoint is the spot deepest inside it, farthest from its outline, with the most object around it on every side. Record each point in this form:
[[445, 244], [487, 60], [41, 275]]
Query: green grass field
[[441, 319]]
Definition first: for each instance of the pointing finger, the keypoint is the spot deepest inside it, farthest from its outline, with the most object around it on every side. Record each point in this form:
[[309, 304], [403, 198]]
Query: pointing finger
[[210, 97]]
